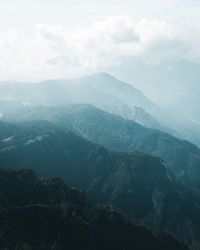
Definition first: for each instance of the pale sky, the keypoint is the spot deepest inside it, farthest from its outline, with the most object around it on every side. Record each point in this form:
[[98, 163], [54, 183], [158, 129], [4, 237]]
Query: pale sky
[[74, 14], [64, 38]]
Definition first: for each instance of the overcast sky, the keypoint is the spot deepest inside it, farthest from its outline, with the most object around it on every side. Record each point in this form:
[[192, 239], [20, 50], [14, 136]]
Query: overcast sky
[[64, 38]]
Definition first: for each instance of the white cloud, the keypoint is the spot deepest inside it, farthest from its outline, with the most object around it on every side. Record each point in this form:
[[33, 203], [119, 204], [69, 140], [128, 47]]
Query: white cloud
[[161, 41], [52, 52]]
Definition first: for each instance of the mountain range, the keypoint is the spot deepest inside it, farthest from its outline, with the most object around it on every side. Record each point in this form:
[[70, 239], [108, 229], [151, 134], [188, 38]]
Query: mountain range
[[102, 91], [41, 213], [139, 174], [137, 184], [116, 133]]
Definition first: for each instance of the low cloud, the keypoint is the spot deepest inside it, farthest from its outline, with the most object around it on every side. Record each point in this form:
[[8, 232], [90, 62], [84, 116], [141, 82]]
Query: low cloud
[[53, 52]]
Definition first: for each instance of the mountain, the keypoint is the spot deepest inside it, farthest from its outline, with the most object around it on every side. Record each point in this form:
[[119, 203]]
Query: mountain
[[145, 119], [101, 90], [116, 133], [98, 89], [137, 184], [171, 84], [140, 116], [40, 213], [171, 121], [174, 86], [124, 91]]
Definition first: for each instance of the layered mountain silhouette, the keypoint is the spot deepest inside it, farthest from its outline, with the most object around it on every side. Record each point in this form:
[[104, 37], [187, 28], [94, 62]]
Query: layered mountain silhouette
[[116, 133], [103, 136], [98, 89], [175, 85], [101, 90], [137, 184], [145, 119]]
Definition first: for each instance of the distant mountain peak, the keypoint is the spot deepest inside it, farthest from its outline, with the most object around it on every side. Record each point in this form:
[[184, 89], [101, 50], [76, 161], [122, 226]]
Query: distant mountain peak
[[138, 111], [101, 76]]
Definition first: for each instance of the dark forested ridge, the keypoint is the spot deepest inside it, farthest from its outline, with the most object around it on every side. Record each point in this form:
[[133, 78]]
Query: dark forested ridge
[[40, 213], [138, 184], [116, 133]]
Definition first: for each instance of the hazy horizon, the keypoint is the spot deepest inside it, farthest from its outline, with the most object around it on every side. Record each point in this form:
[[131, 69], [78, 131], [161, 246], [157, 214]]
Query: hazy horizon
[[151, 44], [59, 39], [100, 124]]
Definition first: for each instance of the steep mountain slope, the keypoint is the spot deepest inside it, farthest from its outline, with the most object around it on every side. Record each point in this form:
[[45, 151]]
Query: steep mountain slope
[[46, 214], [140, 116], [101, 90], [59, 92], [21, 187], [113, 132], [145, 119], [124, 91], [175, 85], [136, 183]]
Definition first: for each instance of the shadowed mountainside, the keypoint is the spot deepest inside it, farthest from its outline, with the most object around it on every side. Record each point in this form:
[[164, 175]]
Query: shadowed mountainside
[[40, 213], [136, 183], [116, 133]]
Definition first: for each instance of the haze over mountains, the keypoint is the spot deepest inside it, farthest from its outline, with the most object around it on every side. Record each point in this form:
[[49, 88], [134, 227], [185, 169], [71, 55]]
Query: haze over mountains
[[116, 133], [172, 84], [105, 137], [99, 125], [103, 91], [139, 185]]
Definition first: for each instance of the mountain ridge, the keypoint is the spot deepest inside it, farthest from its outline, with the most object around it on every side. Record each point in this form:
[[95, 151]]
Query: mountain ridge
[[116, 133], [58, 217], [138, 184]]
